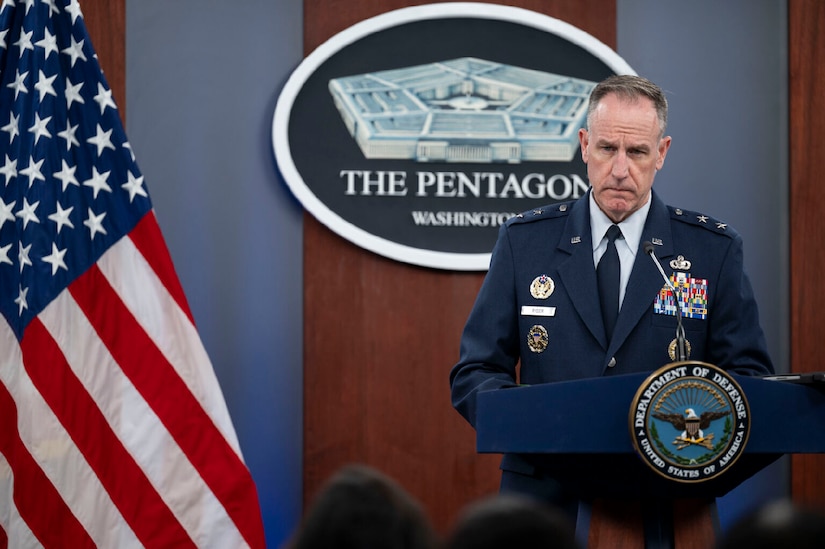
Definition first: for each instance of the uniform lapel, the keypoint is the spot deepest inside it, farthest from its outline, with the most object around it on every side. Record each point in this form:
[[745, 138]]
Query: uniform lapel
[[577, 273]]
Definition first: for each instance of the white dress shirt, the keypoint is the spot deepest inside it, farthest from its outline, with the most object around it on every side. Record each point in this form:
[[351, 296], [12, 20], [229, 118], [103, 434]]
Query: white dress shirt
[[627, 245]]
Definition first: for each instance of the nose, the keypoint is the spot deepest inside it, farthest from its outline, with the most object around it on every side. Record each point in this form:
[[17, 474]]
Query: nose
[[620, 165]]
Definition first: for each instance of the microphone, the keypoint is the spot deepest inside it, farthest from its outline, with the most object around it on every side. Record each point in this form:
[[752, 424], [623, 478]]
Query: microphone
[[681, 353]]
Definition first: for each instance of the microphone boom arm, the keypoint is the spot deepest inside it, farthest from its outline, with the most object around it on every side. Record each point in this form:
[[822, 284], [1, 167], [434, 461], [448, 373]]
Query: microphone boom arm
[[681, 351]]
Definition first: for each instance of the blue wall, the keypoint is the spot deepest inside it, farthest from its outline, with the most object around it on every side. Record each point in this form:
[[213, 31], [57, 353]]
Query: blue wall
[[203, 78]]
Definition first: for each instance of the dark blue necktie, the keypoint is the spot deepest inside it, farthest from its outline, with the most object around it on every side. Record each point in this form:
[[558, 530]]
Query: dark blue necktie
[[608, 274]]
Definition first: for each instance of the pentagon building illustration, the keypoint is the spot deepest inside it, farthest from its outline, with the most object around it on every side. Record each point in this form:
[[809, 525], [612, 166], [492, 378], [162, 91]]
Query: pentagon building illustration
[[463, 110]]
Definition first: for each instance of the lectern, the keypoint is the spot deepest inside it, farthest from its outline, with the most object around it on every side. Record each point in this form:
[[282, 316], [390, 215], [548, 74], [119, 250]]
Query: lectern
[[580, 429]]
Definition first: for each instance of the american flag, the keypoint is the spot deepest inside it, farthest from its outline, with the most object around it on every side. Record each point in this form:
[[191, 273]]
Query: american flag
[[113, 428]]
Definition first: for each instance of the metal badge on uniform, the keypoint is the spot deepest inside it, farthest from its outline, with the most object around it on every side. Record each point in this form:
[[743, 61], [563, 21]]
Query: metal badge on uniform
[[671, 349], [542, 286], [537, 339], [680, 263]]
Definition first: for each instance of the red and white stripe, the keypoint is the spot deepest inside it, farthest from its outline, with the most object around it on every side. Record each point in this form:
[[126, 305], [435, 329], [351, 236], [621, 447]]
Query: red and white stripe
[[122, 435]]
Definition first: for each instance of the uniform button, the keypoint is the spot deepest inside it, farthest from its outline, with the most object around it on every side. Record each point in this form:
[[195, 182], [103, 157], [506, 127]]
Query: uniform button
[[612, 362]]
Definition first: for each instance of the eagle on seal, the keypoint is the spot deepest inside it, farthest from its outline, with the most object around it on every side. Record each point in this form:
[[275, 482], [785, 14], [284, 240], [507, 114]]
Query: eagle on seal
[[691, 424]]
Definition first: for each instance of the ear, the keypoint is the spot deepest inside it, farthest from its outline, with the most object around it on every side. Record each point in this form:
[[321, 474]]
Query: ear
[[584, 139], [664, 145]]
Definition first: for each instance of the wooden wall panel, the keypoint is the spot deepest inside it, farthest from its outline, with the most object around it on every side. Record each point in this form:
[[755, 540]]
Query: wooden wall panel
[[381, 336], [325, 18], [806, 32], [106, 23]]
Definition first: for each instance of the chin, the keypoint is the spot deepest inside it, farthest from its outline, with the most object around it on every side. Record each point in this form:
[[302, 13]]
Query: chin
[[619, 215]]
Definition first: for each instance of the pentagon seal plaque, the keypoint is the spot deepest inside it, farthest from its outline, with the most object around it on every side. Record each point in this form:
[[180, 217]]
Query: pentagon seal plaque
[[689, 421]]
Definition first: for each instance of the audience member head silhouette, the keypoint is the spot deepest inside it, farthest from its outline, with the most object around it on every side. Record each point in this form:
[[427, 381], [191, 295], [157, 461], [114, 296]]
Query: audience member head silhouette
[[359, 507], [777, 524], [514, 522]]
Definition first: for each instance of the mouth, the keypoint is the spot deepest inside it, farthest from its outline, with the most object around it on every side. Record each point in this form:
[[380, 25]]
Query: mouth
[[617, 190]]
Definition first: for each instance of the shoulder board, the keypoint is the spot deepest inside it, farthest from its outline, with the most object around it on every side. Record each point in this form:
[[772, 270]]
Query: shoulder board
[[701, 220], [550, 211]]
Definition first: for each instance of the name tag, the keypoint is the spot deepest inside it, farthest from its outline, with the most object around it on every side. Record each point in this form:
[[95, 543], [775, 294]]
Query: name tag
[[538, 311]]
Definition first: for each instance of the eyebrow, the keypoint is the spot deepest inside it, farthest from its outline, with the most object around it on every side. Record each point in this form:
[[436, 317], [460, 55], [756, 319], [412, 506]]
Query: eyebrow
[[644, 147]]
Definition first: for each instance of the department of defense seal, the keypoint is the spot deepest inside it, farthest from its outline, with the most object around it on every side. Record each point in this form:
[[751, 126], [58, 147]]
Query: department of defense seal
[[537, 339], [542, 286], [690, 421]]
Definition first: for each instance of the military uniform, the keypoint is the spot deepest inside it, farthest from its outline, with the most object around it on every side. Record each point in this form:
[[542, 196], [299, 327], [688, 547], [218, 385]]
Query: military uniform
[[539, 305]]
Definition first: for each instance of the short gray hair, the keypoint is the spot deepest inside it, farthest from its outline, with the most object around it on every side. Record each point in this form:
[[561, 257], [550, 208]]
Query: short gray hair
[[630, 87]]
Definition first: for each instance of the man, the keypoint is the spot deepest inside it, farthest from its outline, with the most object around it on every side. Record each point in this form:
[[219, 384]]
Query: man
[[542, 304]]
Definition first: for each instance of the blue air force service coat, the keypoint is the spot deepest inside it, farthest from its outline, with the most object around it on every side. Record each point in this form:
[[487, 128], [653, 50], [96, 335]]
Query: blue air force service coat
[[555, 329]]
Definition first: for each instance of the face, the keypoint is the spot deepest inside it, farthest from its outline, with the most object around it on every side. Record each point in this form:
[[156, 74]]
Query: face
[[623, 151]]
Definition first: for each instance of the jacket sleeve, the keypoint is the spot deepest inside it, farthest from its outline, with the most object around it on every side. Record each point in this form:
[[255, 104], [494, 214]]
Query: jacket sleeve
[[489, 348], [736, 341]]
